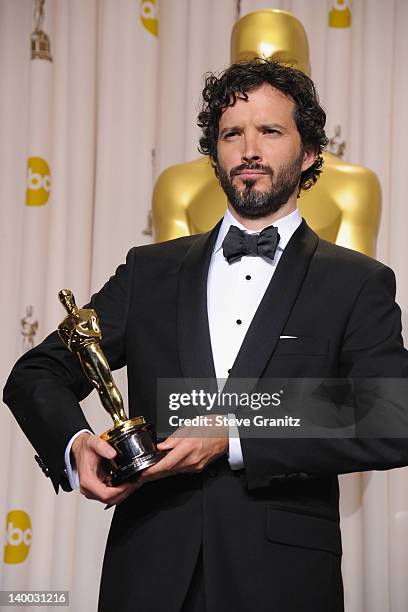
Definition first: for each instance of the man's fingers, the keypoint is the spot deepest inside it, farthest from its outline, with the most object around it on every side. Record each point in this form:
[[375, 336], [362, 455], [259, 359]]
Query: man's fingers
[[176, 437], [190, 454], [132, 486], [93, 488], [90, 453], [168, 466], [168, 462], [118, 499], [100, 447], [169, 443]]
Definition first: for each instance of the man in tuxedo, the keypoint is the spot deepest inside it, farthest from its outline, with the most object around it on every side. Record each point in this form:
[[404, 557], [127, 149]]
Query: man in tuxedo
[[229, 521]]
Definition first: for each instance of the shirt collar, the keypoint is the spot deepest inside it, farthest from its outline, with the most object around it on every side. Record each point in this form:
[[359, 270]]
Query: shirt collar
[[286, 227]]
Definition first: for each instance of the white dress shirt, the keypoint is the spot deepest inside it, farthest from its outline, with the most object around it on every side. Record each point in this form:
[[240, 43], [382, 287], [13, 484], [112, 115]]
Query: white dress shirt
[[234, 292]]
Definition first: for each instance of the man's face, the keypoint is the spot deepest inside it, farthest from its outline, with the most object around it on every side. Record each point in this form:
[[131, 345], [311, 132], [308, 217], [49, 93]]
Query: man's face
[[260, 154]]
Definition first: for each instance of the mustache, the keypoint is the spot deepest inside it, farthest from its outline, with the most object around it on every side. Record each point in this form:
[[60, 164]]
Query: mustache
[[237, 169]]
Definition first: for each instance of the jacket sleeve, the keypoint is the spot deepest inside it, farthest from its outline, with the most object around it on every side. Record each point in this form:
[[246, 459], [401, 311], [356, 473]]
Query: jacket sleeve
[[372, 349], [47, 383]]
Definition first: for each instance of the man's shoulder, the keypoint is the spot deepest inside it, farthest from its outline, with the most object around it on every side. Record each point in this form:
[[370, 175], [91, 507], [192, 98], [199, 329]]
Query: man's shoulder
[[175, 247], [167, 253], [345, 271], [338, 258]]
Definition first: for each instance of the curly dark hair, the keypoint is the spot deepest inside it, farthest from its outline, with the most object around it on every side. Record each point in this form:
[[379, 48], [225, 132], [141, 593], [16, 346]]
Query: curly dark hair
[[239, 79]]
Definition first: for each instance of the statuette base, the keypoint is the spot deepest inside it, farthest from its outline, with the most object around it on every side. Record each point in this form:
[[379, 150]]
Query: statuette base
[[135, 445]]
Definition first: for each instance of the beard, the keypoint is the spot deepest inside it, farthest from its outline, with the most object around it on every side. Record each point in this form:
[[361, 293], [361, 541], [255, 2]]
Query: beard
[[250, 203]]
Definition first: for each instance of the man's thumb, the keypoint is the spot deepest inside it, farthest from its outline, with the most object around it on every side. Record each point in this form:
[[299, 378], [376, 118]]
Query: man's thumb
[[103, 448]]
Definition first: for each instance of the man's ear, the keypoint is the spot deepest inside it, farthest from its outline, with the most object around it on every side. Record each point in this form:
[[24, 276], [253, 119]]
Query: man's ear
[[309, 158]]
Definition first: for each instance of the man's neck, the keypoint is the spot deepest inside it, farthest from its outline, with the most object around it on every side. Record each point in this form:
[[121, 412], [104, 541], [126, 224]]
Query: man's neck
[[261, 222]]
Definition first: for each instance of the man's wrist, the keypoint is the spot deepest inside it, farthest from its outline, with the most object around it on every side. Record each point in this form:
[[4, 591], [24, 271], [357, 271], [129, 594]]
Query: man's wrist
[[234, 452], [78, 441], [69, 458]]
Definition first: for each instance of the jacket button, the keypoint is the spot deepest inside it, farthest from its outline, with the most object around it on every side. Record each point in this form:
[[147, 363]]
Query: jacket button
[[42, 465]]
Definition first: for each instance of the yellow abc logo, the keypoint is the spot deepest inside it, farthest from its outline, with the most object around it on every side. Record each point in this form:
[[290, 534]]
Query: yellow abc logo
[[18, 536], [340, 14], [38, 182], [149, 15]]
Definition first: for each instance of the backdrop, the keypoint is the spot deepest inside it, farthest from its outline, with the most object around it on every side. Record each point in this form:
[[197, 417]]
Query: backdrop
[[83, 138]]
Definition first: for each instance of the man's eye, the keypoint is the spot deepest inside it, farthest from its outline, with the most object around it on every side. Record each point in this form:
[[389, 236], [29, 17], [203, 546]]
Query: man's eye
[[271, 131], [230, 134]]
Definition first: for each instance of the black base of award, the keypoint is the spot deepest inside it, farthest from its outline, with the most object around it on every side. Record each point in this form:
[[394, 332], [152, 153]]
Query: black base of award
[[135, 447]]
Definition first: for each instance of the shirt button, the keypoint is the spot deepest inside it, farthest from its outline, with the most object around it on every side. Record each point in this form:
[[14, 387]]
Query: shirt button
[[239, 321], [229, 371], [248, 277]]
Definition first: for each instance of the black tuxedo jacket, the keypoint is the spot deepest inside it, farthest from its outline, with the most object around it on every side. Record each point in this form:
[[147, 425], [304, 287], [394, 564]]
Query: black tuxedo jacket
[[270, 532]]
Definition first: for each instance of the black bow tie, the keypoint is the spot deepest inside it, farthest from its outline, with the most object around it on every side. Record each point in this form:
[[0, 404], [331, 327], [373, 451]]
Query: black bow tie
[[237, 243]]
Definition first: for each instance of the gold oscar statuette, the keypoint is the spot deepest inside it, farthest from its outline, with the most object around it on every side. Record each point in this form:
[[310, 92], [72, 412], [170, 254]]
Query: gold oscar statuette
[[133, 439]]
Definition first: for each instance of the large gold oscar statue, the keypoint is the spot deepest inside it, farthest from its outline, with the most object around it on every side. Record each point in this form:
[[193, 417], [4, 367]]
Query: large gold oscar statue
[[345, 204]]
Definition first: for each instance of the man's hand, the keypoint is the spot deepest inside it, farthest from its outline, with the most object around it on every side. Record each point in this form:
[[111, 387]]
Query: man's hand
[[190, 449], [88, 451]]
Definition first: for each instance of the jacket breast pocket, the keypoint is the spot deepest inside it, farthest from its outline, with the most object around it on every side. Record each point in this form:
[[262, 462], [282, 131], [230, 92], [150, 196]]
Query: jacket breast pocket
[[303, 530], [302, 346]]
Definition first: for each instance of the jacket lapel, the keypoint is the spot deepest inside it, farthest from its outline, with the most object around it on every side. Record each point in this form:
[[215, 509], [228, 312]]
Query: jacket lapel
[[276, 305], [192, 319]]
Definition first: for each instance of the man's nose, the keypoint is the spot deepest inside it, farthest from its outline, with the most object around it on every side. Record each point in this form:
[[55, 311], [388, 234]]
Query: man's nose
[[251, 152]]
